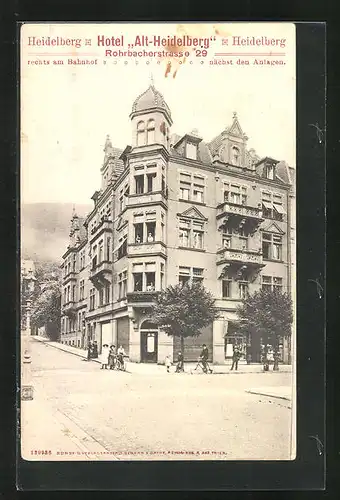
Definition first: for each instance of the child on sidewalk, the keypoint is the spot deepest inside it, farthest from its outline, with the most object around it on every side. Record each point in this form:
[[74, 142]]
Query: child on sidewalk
[[168, 363]]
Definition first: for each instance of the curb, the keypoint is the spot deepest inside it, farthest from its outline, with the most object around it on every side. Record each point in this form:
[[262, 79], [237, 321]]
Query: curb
[[215, 372], [269, 395]]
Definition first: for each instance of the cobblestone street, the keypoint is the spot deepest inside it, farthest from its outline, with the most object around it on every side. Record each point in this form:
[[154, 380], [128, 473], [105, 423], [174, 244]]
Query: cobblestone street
[[105, 415]]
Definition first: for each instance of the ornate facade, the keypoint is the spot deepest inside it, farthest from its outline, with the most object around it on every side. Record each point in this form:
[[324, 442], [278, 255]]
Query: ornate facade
[[173, 209]]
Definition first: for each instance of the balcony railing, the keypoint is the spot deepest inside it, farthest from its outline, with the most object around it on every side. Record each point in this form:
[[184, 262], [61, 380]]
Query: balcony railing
[[142, 297], [228, 208], [152, 197], [155, 247], [72, 275], [240, 256]]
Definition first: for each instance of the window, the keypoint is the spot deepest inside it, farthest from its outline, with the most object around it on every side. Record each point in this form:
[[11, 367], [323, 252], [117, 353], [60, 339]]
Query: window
[[139, 232], [197, 275], [82, 259], [94, 258], [190, 275], [191, 187], [122, 281], [107, 294], [226, 288], [270, 171], [137, 282], [272, 246], [151, 132], [234, 193], [184, 237], [150, 182], [140, 134], [272, 205], [139, 184], [235, 155], [270, 283], [101, 297], [226, 240], [184, 275], [81, 289], [243, 238], [191, 151], [122, 250], [108, 249], [151, 230], [145, 228], [191, 233], [150, 281], [243, 290], [101, 251], [92, 299], [162, 276], [74, 263]]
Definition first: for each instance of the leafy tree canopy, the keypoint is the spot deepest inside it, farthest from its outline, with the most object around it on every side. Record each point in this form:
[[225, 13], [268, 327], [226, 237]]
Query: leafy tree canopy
[[268, 313], [183, 310], [46, 309]]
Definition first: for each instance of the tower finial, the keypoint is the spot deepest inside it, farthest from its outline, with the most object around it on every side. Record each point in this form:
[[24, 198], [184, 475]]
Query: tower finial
[[234, 115], [73, 211], [152, 80]]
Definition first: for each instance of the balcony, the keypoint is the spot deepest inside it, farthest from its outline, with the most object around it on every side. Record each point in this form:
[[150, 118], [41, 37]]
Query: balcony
[[240, 257], [72, 276], [151, 248], [105, 225], [141, 299], [101, 274], [236, 215], [154, 198], [69, 309]]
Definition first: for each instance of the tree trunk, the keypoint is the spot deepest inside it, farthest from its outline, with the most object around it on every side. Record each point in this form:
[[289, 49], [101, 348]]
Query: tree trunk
[[276, 357], [265, 358], [182, 346]]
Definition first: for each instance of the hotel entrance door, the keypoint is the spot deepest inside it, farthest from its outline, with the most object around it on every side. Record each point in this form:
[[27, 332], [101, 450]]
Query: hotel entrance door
[[149, 342]]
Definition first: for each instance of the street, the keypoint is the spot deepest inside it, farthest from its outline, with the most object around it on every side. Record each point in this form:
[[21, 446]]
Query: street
[[151, 416]]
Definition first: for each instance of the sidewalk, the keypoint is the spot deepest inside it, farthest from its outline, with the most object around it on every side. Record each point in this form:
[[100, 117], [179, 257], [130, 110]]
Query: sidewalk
[[47, 434], [153, 368]]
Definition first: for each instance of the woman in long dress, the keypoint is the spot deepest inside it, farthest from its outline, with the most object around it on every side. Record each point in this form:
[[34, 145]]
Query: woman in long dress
[[104, 357]]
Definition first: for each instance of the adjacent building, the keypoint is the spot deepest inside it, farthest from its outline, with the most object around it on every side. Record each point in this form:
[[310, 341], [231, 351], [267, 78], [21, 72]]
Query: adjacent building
[[175, 209]]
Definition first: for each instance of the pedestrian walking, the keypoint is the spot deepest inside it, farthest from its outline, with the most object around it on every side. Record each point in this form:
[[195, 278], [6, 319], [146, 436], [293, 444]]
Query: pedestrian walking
[[168, 363], [95, 349], [89, 351], [204, 357], [236, 357], [112, 357], [104, 357], [120, 356]]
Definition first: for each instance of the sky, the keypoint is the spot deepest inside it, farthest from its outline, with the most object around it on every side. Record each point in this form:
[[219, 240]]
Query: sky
[[67, 110]]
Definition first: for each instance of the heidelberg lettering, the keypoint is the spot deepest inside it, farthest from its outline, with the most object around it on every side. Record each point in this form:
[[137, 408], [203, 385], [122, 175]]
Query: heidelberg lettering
[[104, 41]]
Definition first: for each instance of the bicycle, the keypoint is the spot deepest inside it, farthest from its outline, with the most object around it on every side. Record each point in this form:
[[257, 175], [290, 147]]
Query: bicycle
[[204, 365]]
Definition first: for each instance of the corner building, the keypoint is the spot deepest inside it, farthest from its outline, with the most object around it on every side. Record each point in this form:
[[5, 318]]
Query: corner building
[[175, 209]]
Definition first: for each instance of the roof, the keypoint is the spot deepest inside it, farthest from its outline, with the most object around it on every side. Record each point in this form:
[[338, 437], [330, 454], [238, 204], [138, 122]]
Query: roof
[[150, 99]]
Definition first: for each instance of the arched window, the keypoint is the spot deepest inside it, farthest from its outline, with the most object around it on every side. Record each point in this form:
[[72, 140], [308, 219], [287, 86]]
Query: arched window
[[140, 134], [235, 155], [151, 132]]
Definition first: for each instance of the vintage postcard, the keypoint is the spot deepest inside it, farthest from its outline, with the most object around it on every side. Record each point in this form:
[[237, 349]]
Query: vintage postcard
[[158, 238]]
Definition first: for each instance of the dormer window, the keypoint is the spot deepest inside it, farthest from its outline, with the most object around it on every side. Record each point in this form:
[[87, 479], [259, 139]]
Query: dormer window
[[235, 155], [270, 172], [191, 151]]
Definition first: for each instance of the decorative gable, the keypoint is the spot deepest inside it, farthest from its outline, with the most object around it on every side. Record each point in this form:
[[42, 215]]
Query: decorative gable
[[272, 228], [192, 213]]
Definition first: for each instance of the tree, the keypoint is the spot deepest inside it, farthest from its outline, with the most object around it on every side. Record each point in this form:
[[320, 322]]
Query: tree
[[268, 314], [46, 310], [183, 310]]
